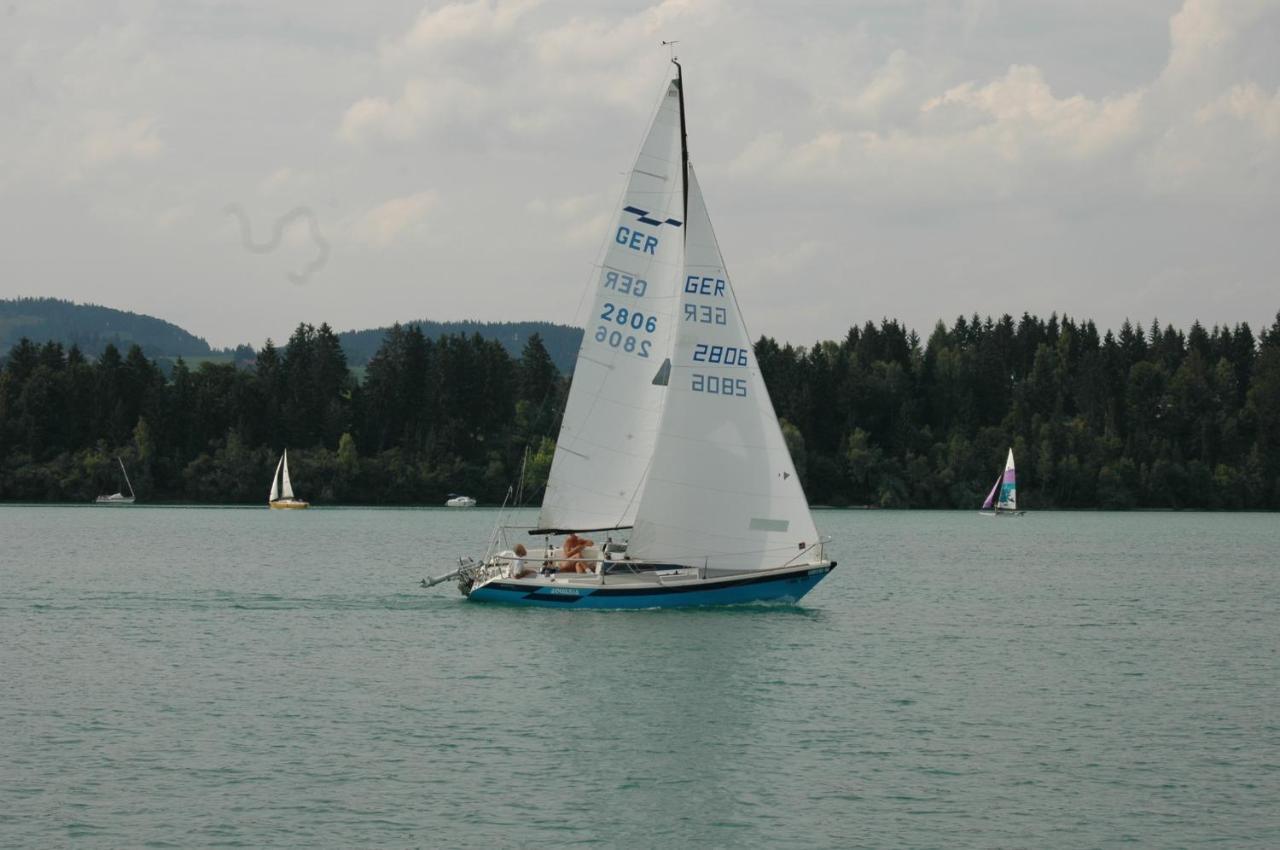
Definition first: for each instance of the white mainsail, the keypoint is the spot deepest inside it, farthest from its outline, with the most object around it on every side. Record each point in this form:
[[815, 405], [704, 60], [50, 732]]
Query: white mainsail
[[611, 417], [286, 489], [722, 490], [275, 481]]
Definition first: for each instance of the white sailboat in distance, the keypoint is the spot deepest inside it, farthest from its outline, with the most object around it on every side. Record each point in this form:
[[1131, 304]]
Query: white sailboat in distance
[[282, 497], [671, 482], [119, 498]]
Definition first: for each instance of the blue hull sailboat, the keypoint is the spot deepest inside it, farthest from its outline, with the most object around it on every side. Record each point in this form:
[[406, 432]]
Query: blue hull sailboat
[[669, 451], [787, 586]]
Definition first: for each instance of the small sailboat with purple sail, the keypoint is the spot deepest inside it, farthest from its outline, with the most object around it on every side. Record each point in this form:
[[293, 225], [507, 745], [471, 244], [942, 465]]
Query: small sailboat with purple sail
[[1003, 498]]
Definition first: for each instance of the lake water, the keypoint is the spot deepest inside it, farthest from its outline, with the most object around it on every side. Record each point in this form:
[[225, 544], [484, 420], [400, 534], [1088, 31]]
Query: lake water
[[231, 677]]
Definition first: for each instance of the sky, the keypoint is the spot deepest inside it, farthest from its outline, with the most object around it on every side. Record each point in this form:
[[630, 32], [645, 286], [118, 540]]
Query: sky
[[240, 167]]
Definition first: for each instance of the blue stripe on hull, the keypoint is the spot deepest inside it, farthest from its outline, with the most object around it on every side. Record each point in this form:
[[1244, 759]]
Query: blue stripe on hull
[[783, 589]]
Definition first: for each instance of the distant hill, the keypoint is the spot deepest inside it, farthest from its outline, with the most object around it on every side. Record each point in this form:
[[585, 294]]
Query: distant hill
[[561, 341], [92, 327]]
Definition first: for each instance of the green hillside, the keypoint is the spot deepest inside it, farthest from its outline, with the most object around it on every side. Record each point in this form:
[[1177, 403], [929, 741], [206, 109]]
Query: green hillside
[[92, 327]]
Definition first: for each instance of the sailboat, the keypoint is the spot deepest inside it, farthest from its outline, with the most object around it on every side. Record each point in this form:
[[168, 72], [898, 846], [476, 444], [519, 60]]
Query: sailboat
[[118, 498], [1003, 498], [669, 454], [282, 488]]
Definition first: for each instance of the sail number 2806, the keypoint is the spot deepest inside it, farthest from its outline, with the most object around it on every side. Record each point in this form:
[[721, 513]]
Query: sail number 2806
[[725, 355], [620, 320]]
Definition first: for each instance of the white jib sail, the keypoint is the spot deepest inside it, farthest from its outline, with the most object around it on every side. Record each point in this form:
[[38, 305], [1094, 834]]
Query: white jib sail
[[275, 481], [611, 417], [286, 489], [722, 490]]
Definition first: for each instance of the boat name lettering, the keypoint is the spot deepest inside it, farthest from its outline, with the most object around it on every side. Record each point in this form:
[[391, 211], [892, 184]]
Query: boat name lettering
[[563, 591], [625, 284], [627, 342], [698, 285], [635, 240], [705, 315], [628, 318], [715, 385], [724, 355]]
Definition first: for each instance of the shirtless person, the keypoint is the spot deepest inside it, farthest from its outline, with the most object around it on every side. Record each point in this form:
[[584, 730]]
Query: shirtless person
[[573, 546]]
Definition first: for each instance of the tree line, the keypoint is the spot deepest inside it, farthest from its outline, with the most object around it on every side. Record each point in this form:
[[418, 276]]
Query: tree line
[[430, 417], [1150, 419], [1154, 419]]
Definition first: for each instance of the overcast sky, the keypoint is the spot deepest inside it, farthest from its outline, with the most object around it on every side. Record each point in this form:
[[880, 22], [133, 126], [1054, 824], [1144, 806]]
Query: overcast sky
[[1102, 158]]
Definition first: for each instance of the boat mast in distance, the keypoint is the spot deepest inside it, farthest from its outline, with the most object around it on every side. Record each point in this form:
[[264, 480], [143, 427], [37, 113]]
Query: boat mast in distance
[[119, 498]]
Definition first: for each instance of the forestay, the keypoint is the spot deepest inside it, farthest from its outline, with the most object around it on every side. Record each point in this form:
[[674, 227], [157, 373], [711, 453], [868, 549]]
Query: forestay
[[722, 490], [611, 416]]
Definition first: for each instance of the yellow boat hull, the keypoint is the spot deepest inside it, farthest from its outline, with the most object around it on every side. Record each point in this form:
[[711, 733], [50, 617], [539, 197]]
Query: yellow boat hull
[[288, 504]]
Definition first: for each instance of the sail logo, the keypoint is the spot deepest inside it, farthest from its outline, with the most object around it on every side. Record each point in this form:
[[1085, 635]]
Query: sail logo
[[643, 217], [637, 240]]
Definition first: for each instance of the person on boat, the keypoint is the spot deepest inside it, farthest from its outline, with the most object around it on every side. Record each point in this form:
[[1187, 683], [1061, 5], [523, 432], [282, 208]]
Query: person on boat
[[573, 546], [518, 568]]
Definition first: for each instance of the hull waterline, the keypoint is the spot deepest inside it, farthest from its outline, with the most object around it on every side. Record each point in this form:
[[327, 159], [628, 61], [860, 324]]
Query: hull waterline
[[776, 586]]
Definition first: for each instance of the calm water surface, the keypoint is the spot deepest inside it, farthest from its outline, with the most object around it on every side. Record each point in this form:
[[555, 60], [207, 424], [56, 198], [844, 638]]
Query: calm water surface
[[230, 677]]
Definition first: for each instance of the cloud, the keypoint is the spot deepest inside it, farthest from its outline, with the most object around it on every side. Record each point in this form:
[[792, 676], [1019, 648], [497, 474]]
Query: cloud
[[440, 100], [1249, 105], [1203, 35], [286, 181], [112, 138], [1018, 113], [525, 78], [458, 27], [1195, 127], [579, 219], [1225, 149], [889, 85], [388, 221], [921, 158]]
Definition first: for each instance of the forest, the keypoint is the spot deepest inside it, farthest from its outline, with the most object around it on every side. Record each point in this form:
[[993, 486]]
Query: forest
[[1156, 418]]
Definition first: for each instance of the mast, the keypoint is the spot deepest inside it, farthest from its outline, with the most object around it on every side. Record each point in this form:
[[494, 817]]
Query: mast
[[684, 141], [126, 477]]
